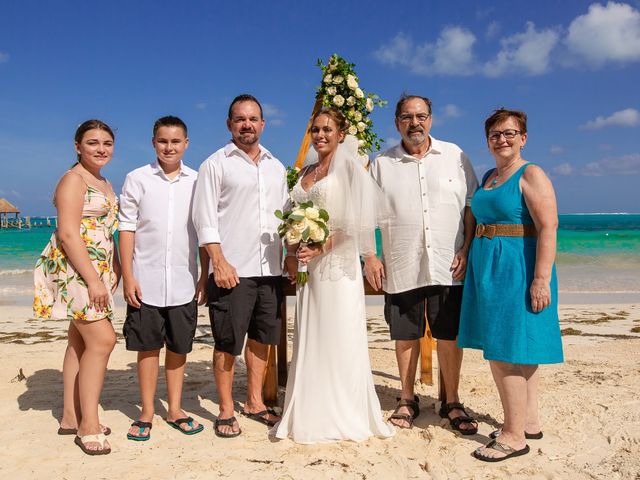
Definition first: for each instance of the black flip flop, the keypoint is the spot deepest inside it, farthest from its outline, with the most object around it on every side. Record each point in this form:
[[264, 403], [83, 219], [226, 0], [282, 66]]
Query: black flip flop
[[141, 425], [261, 417], [226, 422], [500, 447]]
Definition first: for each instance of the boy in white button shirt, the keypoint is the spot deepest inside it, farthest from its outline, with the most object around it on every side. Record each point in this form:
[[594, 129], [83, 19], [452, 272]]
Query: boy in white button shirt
[[158, 246]]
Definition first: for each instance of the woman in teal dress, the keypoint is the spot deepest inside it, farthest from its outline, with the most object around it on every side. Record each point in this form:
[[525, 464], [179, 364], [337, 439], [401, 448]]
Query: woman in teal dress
[[510, 301]]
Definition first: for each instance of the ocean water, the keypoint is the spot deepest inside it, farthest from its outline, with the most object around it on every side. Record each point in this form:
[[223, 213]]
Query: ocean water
[[597, 254]]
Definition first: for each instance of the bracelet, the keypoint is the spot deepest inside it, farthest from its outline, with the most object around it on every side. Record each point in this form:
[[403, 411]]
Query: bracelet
[[290, 254]]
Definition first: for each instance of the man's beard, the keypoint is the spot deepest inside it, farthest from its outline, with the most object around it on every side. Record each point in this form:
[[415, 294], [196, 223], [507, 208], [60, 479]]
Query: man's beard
[[247, 138], [413, 138]]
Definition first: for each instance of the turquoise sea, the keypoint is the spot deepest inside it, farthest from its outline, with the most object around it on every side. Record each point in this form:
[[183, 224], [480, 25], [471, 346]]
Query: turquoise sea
[[597, 253]]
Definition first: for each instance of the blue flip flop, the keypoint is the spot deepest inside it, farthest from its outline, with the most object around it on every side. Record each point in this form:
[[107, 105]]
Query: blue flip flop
[[141, 425], [189, 421]]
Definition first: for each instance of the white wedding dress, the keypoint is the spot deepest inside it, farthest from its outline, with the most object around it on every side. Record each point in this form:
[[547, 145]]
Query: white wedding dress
[[330, 393]]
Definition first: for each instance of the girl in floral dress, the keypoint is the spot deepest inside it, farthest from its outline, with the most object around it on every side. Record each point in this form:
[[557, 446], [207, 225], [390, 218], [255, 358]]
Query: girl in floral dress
[[75, 277]]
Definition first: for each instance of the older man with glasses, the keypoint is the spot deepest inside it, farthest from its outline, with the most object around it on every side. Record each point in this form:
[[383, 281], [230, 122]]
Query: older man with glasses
[[428, 184]]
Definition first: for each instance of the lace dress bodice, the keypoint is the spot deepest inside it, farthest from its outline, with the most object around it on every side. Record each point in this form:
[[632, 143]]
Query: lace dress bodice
[[317, 193]]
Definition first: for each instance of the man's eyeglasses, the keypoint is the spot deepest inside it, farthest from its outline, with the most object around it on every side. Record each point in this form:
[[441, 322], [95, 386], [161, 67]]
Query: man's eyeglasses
[[509, 134], [421, 118]]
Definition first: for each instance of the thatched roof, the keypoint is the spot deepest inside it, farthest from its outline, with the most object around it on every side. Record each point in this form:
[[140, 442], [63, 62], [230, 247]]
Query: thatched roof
[[7, 207]]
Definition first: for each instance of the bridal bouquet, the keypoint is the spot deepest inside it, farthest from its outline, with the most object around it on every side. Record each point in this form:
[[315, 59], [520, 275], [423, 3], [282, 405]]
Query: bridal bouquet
[[305, 224], [340, 87]]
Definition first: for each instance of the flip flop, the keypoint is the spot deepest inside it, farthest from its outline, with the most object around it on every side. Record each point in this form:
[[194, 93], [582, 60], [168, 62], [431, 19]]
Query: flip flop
[[227, 422], [74, 431], [500, 447], [189, 421], [528, 436], [261, 416], [141, 425], [99, 438]]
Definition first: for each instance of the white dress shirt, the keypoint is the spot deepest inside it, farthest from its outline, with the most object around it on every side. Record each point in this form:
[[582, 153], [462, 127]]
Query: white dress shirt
[[427, 197], [158, 210], [234, 206]]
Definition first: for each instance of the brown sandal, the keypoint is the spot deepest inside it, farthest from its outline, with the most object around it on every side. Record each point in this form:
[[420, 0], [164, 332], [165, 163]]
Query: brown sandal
[[446, 408], [407, 417]]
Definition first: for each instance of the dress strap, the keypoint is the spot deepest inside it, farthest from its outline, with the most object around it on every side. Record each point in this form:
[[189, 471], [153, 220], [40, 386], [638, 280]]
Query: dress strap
[[486, 176]]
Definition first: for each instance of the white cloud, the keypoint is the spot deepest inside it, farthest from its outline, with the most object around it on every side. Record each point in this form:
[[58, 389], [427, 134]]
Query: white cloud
[[563, 169], [391, 142], [273, 115], [201, 105], [4, 57], [623, 165], [492, 30], [451, 111], [556, 150], [629, 117], [604, 34], [528, 52], [451, 54]]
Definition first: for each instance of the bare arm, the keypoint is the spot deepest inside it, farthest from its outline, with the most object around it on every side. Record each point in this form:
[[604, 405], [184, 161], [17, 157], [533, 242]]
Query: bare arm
[[201, 287], [130, 287], [69, 201], [459, 264], [541, 201]]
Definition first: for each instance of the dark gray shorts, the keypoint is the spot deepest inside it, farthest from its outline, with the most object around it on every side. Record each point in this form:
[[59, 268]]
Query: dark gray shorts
[[251, 309], [150, 328], [405, 312]]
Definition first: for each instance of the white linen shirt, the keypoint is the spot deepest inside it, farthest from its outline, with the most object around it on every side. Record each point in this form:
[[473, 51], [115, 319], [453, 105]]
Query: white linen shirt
[[158, 210], [427, 197], [234, 206]]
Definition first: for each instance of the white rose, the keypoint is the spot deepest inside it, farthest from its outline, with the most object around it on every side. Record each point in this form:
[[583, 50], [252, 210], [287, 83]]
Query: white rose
[[369, 105], [361, 143], [298, 212], [300, 226], [316, 234], [357, 116], [292, 237], [311, 213], [338, 100], [327, 79], [353, 130], [359, 93], [332, 90], [351, 101], [361, 126], [338, 79], [352, 83]]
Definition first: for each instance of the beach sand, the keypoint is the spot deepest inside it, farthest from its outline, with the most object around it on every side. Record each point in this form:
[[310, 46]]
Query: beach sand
[[590, 408]]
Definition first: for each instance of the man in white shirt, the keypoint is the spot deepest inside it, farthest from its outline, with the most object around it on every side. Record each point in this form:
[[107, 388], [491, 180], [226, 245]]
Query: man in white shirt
[[239, 188], [428, 184], [158, 252]]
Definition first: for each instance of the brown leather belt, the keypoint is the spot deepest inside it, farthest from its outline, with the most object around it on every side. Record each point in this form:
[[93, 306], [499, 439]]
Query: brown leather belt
[[506, 230]]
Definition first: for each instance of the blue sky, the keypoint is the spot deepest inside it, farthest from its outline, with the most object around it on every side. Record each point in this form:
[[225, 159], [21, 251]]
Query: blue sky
[[573, 66]]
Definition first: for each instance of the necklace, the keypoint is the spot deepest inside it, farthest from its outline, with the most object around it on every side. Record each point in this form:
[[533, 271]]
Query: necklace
[[316, 171], [495, 181]]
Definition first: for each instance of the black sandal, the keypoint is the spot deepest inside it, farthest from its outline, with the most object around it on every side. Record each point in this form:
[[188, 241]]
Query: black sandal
[[226, 422], [261, 417], [407, 417], [446, 408]]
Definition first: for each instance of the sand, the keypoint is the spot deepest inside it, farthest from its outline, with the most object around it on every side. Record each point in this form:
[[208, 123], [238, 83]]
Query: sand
[[590, 408]]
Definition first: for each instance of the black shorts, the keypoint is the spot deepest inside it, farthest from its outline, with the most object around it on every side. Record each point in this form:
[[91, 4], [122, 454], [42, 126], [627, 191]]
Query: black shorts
[[250, 308], [150, 328], [405, 312]]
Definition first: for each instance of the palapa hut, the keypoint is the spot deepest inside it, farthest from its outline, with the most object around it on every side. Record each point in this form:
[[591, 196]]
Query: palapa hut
[[7, 208]]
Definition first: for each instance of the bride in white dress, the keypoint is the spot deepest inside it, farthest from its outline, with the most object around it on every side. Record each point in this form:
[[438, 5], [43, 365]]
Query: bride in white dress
[[330, 393]]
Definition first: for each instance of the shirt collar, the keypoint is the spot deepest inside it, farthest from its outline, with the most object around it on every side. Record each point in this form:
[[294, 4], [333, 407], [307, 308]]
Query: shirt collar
[[157, 170], [399, 153], [232, 149]]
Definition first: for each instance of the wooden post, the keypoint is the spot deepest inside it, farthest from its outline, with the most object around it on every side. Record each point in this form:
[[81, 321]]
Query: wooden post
[[270, 379], [426, 357], [306, 140]]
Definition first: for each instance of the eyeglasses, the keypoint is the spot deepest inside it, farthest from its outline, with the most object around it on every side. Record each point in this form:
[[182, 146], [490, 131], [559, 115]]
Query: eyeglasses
[[509, 134], [421, 118]]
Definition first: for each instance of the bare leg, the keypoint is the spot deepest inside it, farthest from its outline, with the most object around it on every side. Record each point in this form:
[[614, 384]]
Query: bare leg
[[255, 354], [512, 387], [450, 361], [407, 354], [174, 366], [71, 413], [99, 340], [532, 424], [223, 369], [148, 368]]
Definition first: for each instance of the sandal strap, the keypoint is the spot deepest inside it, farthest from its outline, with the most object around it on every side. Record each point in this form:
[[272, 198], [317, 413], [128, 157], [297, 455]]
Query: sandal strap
[[407, 417], [97, 438], [142, 425], [226, 421], [500, 447], [462, 419], [180, 421]]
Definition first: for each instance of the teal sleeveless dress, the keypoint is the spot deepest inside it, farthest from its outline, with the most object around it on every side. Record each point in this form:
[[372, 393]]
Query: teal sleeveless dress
[[496, 306]]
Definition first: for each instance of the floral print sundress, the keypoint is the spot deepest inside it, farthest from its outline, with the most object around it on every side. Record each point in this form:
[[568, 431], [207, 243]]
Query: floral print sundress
[[60, 291]]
